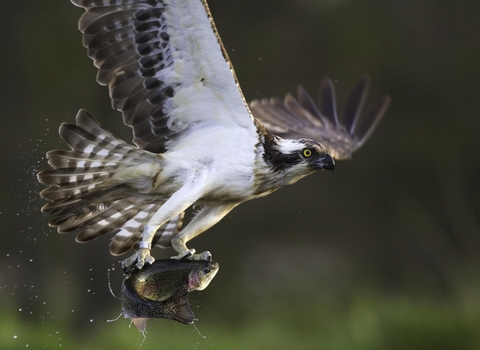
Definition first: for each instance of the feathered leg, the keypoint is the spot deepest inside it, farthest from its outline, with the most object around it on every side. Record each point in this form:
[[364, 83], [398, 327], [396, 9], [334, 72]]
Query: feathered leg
[[186, 196], [204, 219]]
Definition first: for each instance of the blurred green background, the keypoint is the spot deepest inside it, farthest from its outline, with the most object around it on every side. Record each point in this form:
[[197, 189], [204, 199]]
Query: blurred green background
[[382, 254]]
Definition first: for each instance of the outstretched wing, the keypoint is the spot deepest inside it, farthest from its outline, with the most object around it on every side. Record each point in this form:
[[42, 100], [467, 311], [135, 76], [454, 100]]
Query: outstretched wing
[[165, 66], [301, 118]]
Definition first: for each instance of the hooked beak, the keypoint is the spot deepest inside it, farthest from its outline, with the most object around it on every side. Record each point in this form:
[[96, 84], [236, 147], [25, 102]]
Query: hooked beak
[[326, 163]]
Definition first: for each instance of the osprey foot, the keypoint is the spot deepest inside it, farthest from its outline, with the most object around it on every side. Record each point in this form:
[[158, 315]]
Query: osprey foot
[[190, 254], [204, 256], [187, 254], [137, 260]]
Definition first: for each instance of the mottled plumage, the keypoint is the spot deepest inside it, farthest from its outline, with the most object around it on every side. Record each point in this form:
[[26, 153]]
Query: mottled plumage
[[197, 142]]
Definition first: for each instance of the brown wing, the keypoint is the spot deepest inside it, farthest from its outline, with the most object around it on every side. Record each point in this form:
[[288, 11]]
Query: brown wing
[[301, 118]]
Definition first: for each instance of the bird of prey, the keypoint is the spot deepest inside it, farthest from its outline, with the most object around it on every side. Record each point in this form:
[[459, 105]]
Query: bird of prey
[[197, 141]]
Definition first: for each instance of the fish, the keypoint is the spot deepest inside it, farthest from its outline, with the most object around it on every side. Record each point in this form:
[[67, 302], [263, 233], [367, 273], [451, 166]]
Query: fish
[[160, 290]]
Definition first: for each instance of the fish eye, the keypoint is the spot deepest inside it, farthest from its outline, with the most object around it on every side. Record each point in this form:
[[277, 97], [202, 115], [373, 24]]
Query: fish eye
[[307, 152], [207, 269]]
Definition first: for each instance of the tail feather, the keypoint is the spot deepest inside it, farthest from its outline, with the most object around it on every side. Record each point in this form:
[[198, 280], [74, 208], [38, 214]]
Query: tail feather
[[70, 200], [72, 160], [163, 236], [95, 188], [96, 155], [56, 193], [96, 143], [69, 184], [132, 230], [90, 214], [108, 221]]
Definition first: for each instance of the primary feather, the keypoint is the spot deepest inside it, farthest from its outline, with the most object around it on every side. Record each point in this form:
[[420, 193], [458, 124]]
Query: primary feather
[[198, 143]]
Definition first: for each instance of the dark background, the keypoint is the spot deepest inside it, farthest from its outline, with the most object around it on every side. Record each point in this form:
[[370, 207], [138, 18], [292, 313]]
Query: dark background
[[383, 253]]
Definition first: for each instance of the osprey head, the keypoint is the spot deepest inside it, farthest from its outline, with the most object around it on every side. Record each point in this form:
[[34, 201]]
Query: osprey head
[[300, 157]]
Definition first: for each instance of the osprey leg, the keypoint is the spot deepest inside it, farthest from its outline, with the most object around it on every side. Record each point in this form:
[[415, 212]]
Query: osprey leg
[[204, 219], [187, 195]]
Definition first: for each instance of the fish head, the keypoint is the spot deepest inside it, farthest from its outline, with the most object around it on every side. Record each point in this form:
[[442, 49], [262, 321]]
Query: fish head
[[201, 274]]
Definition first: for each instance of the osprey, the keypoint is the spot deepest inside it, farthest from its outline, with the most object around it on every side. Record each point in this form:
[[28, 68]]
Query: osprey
[[198, 143]]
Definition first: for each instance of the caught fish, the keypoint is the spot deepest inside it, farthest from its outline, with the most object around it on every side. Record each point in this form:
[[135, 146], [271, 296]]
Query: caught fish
[[160, 290]]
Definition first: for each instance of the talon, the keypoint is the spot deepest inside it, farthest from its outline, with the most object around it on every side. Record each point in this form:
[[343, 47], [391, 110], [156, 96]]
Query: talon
[[128, 270], [206, 256], [138, 260], [190, 255], [128, 265], [187, 254], [148, 260], [203, 256]]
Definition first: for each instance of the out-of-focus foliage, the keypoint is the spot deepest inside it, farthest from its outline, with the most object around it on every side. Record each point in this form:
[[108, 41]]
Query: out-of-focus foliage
[[383, 253], [367, 321]]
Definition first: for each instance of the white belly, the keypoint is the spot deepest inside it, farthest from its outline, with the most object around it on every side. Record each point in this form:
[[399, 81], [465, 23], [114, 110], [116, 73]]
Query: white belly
[[226, 154]]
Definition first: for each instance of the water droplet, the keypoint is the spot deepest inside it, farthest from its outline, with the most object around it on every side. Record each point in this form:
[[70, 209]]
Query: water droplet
[[200, 334]]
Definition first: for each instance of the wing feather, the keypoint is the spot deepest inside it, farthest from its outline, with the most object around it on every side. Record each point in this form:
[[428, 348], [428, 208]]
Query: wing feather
[[165, 66], [328, 105], [301, 118]]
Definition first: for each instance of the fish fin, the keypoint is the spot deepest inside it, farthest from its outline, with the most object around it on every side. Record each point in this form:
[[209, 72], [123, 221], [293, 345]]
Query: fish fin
[[140, 323], [179, 307]]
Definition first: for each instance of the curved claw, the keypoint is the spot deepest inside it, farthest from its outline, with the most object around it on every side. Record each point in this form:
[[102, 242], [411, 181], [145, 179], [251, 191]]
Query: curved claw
[[138, 260], [205, 256], [187, 254], [190, 255]]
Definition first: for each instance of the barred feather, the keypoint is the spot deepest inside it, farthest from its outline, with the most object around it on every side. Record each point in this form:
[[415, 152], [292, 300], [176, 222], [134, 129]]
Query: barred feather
[[164, 235], [132, 230], [164, 65], [170, 76], [95, 156], [83, 195]]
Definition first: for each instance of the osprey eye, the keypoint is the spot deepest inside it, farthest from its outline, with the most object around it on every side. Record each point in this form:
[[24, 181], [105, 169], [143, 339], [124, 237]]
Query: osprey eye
[[307, 152]]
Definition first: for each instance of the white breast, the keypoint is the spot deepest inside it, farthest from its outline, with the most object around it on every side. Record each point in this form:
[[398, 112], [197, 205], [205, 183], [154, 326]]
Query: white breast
[[227, 153]]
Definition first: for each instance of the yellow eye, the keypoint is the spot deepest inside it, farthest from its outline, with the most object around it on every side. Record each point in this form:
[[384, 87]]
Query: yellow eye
[[307, 153]]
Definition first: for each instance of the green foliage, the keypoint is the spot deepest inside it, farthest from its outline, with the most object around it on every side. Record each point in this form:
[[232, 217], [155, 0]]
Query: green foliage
[[369, 322]]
